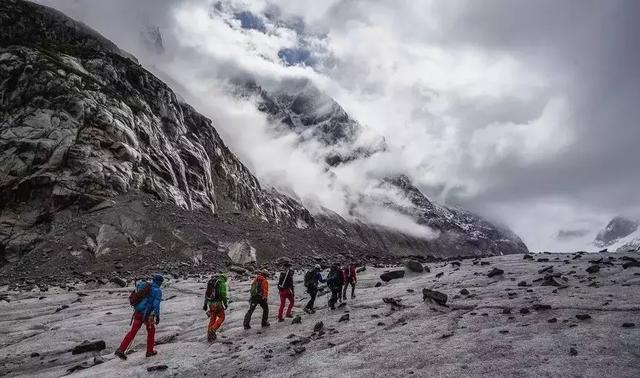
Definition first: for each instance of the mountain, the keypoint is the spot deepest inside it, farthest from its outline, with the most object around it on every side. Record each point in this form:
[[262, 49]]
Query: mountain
[[618, 228], [102, 165]]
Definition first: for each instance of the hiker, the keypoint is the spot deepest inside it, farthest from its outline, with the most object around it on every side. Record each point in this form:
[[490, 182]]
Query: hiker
[[311, 279], [146, 300], [285, 287], [216, 300], [349, 276], [259, 294], [334, 282]]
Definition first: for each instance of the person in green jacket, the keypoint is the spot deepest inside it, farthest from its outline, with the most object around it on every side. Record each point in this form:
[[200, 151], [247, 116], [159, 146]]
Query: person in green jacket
[[215, 302]]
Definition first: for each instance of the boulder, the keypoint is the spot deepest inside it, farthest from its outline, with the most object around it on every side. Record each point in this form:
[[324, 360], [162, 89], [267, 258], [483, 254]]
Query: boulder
[[344, 318], [118, 281], [394, 274], [593, 269], [464, 292], [583, 316], [436, 296], [297, 320], [86, 346], [414, 266], [318, 327], [241, 252], [495, 272]]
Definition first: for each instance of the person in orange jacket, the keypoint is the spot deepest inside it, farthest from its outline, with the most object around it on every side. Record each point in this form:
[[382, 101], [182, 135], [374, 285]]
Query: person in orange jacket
[[349, 278], [259, 295]]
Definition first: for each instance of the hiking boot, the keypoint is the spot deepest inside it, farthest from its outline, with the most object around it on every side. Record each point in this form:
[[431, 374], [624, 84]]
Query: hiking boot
[[246, 326], [289, 316], [152, 353], [353, 296], [211, 336], [120, 355], [280, 320], [308, 310], [265, 325]]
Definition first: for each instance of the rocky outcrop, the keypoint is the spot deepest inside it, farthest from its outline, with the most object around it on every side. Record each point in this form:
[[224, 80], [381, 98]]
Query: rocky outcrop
[[81, 121]]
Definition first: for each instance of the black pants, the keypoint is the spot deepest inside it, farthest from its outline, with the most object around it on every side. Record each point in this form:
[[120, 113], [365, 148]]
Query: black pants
[[313, 292], [353, 289], [335, 295], [252, 306]]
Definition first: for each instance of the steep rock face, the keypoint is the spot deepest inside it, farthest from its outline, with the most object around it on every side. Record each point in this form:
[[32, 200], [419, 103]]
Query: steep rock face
[[616, 229], [81, 121]]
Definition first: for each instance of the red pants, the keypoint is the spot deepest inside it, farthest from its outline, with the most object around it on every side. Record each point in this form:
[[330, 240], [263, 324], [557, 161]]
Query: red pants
[[137, 323], [216, 317], [285, 294]]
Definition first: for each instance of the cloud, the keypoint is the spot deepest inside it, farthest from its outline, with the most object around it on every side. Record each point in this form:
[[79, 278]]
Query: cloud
[[525, 112]]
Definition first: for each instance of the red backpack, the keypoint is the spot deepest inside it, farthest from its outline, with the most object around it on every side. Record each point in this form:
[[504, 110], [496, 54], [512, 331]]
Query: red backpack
[[138, 295]]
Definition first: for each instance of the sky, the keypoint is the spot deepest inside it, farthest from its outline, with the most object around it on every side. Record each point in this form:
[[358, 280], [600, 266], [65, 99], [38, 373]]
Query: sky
[[523, 112]]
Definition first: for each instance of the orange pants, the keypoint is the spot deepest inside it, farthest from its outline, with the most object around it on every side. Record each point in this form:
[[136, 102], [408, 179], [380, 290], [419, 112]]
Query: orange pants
[[216, 317]]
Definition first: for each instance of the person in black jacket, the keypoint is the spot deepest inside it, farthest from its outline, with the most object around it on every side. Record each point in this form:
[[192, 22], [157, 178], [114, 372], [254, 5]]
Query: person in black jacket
[[285, 286], [311, 279], [334, 282]]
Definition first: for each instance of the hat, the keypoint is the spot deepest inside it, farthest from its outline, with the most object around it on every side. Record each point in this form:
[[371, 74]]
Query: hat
[[158, 278], [317, 267]]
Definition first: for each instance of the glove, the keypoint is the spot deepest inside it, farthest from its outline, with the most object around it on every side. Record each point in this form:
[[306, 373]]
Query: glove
[[157, 319], [204, 307]]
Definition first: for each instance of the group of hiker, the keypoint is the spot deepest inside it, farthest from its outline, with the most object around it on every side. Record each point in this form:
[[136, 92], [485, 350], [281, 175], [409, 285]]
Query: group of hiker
[[147, 296]]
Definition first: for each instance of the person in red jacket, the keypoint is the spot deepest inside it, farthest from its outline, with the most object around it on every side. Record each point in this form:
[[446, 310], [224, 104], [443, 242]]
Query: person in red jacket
[[349, 278]]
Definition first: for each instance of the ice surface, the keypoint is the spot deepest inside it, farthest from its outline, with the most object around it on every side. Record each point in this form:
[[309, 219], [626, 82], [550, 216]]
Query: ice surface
[[468, 338]]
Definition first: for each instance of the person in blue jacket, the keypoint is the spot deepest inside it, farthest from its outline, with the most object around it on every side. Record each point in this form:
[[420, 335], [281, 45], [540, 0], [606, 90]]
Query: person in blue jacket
[[147, 311], [311, 279]]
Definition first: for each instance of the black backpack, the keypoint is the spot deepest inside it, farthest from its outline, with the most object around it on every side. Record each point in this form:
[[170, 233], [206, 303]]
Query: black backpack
[[212, 289], [310, 279]]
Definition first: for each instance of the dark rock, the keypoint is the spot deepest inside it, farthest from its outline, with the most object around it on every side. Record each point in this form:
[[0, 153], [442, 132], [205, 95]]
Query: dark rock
[[628, 325], [439, 274], [482, 263], [344, 318], [506, 311], [464, 292], [495, 272], [380, 324], [524, 311], [593, 269], [583, 316], [36, 354], [299, 349], [522, 284], [297, 320], [410, 291], [573, 351], [436, 296], [388, 276], [157, 368], [552, 281], [237, 269], [543, 259], [527, 257], [552, 320], [63, 307], [361, 269], [378, 284], [546, 269], [87, 346], [393, 302], [414, 266], [631, 264], [504, 331], [119, 281], [318, 327], [541, 307]]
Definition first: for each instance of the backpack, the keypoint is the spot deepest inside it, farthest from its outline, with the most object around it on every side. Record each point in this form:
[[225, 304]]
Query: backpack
[[212, 293], [139, 294], [310, 278], [332, 278], [256, 289]]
